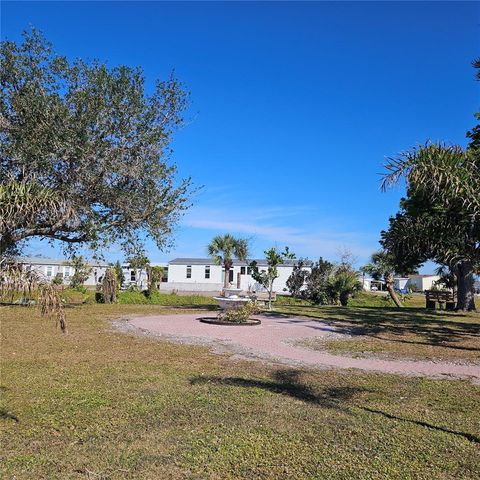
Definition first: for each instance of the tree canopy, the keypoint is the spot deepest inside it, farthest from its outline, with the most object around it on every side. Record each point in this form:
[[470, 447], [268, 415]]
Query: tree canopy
[[439, 219], [85, 150]]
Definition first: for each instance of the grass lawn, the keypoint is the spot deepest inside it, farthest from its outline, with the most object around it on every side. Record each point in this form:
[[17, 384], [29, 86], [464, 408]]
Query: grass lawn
[[101, 404], [389, 332]]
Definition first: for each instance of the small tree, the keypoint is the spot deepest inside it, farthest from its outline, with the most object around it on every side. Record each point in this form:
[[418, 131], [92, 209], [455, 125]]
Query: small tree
[[119, 274], [266, 278], [224, 248], [296, 281], [154, 276], [109, 286], [139, 263], [317, 283], [81, 271]]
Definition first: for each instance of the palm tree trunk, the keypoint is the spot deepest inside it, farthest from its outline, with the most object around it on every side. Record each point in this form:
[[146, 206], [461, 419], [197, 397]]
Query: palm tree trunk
[[391, 290], [465, 286], [226, 282]]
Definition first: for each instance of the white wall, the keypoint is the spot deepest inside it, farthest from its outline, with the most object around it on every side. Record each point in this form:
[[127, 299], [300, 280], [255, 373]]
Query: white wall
[[423, 283], [401, 283], [48, 271], [177, 278]]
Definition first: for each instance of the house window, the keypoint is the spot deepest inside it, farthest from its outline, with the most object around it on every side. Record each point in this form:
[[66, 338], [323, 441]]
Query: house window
[[165, 275], [49, 271], [133, 276], [207, 271], [66, 272], [242, 270], [249, 271], [189, 271]]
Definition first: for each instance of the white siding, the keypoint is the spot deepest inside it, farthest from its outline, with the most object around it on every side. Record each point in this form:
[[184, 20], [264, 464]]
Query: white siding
[[177, 278]]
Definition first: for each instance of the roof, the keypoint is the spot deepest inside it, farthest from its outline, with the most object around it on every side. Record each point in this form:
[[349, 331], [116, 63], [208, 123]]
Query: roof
[[423, 275], [209, 261]]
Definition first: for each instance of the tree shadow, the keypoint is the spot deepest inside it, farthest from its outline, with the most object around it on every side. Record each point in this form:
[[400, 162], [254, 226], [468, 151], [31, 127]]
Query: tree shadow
[[432, 328], [209, 308], [5, 415], [287, 382]]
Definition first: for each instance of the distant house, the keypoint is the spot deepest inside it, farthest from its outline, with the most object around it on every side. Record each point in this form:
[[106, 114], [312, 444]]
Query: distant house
[[417, 283], [49, 268], [420, 283]]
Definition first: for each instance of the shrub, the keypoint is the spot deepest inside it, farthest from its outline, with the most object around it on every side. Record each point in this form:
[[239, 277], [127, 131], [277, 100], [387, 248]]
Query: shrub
[[239, 315], [157, 298]]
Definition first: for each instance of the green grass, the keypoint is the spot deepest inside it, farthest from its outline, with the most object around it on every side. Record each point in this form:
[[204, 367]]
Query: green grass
[[97, 403], [407, 333]]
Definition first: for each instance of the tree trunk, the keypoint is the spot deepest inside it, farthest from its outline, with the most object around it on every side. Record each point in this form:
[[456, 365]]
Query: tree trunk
[[344, 297], [228, 266], [391, 290], [465, 286], [270, 297]]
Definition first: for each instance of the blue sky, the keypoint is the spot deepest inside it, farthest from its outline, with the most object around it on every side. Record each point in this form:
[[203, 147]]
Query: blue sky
[[294, 106]]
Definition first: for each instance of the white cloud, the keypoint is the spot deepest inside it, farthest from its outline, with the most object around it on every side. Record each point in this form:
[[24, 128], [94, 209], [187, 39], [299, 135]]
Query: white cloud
[[281, 226]]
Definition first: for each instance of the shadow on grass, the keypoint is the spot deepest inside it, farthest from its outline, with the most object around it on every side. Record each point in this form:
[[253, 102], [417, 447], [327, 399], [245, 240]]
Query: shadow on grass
[[432, 328], [287, 382], [4, 415]]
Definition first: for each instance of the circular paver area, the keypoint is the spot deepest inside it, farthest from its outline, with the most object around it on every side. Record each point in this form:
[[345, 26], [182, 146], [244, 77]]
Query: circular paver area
[[275, 340]]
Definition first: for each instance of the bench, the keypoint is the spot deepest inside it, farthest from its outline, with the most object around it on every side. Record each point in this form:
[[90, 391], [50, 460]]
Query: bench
[[443, 298], [263, 297]]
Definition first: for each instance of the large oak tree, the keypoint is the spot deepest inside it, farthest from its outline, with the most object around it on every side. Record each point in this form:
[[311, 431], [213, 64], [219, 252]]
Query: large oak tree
[[85, 150]]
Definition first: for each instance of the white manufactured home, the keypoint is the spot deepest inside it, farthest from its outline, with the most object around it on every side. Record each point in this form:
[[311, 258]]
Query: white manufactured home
[[181, 274], [203, 275], [49, 268]]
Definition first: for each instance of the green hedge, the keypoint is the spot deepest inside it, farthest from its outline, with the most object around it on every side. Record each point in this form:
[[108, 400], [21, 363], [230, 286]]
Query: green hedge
[[157, 298]]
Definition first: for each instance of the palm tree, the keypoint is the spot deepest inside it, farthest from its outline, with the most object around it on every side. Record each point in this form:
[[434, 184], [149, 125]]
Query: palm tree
[[343, 284], [224, 248], [381, 267]]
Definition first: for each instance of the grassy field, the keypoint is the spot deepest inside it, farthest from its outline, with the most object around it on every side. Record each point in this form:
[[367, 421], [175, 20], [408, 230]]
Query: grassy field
[[388, 332], [101, 404]]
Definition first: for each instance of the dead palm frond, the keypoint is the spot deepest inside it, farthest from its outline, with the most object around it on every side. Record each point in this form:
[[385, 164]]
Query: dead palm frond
[[16, 281], [26, 206]]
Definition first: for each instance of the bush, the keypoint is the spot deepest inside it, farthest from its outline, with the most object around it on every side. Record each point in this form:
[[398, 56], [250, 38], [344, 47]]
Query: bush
[[157, 298], [239, 315], [77, 296]]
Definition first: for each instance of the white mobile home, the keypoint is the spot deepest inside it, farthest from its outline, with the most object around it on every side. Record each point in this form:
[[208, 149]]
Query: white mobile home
[[420, 283], [48, 269], [202, 275]]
